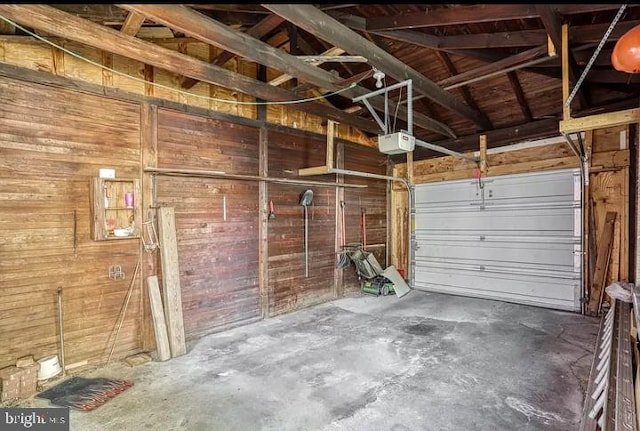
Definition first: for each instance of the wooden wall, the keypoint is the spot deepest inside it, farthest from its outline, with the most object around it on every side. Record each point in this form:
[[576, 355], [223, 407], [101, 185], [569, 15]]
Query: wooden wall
[[52, 142], [608, 186], [56, 134], [216, 219], [288, 287]]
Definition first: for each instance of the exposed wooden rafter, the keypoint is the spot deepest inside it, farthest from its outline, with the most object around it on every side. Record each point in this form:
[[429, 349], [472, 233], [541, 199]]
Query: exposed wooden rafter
[[413, 37], [56, 22], [521, 59], [522, 100], [261, 29], [132, 24], [437, 17], [552, 22], [210, 31], [451, 68], [325, 27]]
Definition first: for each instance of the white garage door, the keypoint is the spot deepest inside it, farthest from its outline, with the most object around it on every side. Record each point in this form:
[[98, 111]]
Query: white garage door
[[514, 238]]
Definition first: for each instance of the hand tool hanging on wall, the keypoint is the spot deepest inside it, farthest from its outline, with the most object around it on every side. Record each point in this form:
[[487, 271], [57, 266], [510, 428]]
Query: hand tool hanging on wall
[[305, 201], [272, 213]]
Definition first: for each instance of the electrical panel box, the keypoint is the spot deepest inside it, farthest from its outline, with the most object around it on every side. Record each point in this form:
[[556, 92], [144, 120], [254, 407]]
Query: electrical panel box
[[396, 143]]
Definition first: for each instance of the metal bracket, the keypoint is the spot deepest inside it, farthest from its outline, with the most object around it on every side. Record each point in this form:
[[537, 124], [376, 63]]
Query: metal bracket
[[116, 273]]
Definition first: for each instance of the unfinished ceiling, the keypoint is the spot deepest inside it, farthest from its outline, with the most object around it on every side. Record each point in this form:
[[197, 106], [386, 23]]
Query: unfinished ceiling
[[475, 69]]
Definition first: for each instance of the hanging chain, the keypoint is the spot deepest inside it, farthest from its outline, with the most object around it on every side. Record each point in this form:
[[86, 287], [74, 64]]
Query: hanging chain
[[595, 54]]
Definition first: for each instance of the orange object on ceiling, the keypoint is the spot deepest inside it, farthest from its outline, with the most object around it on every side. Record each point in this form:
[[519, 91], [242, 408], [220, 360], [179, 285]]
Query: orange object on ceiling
[[626, 53]]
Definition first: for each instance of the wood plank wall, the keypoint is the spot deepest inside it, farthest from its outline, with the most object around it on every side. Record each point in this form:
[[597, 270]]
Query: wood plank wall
[[52, 142], [372, 200], [216, 219], [608, 189], [54, 139], [288, 288]]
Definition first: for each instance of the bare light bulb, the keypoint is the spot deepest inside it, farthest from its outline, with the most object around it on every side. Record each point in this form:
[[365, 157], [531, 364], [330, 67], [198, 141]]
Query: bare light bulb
[[379, 76]]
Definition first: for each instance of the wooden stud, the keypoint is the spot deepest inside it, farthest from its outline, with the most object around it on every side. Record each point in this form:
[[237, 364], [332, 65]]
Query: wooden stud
[[132, 23], [320, 170], [148, 158], [483, 154], [58, 61], [566, 110], [331, 128], [263, 229], [410, 167], [600, 121], [338, 280], [107, 74], [551, 48]]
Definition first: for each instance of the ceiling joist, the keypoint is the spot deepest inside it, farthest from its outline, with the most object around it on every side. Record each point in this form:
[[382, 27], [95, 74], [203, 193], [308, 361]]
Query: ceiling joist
[[212, 32], [325, 27], [438, 17], [261, 29]]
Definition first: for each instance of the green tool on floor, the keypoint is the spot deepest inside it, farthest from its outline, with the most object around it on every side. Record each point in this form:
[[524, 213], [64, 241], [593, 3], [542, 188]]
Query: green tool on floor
[[378, 286]]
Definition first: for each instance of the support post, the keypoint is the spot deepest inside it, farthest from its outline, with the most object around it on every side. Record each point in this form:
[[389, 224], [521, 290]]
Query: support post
[[566, 110], [483, 154]]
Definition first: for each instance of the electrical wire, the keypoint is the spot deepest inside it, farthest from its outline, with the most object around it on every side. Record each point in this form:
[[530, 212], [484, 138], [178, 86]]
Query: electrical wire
[[165, 87]]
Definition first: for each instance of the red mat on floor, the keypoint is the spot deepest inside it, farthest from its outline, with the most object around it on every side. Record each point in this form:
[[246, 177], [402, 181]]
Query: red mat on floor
[[84, 394]]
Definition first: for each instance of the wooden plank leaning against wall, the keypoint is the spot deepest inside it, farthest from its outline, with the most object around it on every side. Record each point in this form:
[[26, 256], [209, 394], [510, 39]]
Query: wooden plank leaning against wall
[[608, 189]]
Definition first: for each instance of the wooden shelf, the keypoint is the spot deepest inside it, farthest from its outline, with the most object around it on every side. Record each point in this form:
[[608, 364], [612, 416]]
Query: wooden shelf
[[108, 210]]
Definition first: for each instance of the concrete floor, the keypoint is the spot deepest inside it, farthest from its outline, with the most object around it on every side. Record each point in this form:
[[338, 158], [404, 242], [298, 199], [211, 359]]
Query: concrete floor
[[422, 362]]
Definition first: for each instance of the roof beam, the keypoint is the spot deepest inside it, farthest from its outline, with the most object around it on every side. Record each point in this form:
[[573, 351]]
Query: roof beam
[[522, 100], [212, 32], [132, 24], [498, 137], [451, 68], [261, 29], [552, 22], [56, 22], [582, 34], [412, 37], [439, 17], [509, 39], [495, 67], [325, 27]]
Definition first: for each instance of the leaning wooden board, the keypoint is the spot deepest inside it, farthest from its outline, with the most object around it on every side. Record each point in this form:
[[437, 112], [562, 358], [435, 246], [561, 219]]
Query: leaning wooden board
[[171, 280], [159, 323], [602, 265]]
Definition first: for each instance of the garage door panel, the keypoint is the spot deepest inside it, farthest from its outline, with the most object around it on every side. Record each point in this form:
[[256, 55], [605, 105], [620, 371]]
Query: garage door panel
[[538, 254], [537, 221], [517, 239], [522, 288]]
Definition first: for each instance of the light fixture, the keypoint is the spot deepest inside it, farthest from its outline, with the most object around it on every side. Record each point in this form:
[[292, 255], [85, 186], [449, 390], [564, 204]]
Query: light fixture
[[379, 76], [626, 52]]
